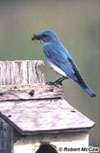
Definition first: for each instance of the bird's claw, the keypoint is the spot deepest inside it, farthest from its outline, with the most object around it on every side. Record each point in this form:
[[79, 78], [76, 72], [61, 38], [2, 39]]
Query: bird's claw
[[49, 83], [55, 83]]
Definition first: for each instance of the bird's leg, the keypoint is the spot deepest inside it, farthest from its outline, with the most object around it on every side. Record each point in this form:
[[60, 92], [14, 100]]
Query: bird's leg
[[58, 81]]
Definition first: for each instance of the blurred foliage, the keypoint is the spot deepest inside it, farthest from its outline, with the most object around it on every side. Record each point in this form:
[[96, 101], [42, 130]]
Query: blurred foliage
[[77, 24]]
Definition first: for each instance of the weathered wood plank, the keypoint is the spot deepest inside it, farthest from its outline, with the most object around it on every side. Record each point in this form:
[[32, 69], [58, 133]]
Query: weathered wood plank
[[21, 72], [45, 116], [37, 91], [5, 137]]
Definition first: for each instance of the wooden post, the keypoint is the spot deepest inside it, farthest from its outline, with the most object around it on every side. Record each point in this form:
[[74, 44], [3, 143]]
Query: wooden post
[[21, 72], [33, 113], [20, 80], [12, 75]]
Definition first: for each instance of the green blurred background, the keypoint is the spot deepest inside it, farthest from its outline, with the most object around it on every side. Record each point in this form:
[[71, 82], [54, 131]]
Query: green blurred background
[[77, 23]]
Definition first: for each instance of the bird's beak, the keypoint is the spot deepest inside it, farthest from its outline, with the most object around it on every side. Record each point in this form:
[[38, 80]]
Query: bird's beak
[[36, 37]]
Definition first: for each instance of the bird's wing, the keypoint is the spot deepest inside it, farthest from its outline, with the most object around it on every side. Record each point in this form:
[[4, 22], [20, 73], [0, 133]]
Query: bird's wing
[[63, 60], [77, 74]]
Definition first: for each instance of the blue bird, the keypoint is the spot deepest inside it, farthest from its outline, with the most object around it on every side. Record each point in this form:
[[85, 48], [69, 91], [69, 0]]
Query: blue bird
[[60, 60]]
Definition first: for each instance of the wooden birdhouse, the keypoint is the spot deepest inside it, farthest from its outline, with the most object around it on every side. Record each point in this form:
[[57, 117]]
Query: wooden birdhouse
[[34, 117]]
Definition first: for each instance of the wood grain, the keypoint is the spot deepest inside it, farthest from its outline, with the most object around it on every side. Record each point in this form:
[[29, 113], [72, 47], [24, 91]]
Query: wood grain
[[44, 116], [21, 72], [36, 91], [5, 137]]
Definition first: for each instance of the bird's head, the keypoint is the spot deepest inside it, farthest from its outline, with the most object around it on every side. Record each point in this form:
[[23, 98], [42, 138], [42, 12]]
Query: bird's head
[[46, 36]]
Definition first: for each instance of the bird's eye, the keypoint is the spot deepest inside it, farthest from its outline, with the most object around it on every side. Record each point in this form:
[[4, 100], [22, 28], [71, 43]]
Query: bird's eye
[[44, 35]]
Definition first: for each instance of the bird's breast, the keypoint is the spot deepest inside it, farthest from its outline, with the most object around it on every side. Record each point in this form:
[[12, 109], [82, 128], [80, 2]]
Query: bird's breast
[[57, 69]]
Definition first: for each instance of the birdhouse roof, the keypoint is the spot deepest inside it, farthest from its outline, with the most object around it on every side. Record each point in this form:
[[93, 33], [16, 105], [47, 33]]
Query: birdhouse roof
[[34, 116]]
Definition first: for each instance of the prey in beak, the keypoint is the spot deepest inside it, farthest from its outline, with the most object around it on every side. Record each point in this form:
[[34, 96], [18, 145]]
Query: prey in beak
[[36, 37]]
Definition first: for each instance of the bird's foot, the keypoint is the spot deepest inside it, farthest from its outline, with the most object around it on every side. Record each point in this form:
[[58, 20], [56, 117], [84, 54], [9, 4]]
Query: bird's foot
[[54, 83], [49, 83], [57, 82]]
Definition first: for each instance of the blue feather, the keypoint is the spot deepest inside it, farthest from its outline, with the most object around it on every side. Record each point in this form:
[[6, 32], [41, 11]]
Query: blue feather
[[88, 90], [60, 60]]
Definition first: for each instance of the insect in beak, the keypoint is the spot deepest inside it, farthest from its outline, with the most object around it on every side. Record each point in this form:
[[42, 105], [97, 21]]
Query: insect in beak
[[36, 37]]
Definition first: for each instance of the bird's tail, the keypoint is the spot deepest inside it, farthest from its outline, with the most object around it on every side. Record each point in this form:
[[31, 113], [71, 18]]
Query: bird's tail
[[88, 90]]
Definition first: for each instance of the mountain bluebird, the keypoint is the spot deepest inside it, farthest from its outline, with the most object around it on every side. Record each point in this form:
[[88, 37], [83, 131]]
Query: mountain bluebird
[[60, 60]]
